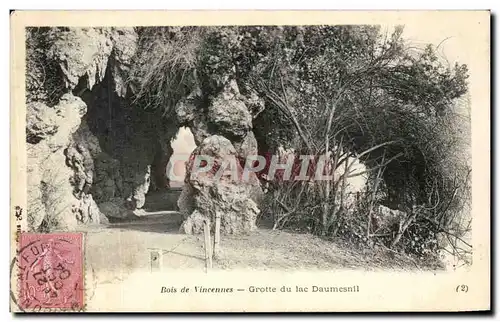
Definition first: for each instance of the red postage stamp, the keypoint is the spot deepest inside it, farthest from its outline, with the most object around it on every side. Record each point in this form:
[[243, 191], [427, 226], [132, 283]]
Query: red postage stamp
[[50, 271]]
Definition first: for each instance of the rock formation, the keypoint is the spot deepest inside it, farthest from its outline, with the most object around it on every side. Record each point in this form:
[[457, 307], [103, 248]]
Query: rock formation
[[207, 194], [50, 183], [94, 152], [74, 171], [223, 129]]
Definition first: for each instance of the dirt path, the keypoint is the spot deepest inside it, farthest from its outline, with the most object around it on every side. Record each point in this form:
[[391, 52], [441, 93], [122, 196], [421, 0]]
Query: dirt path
[[125, 248]]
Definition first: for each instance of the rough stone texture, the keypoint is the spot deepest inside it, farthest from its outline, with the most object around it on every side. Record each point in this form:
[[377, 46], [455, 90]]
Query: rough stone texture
[[68, 171], [229, 114], [130, 139], [124, 48], [227, 195], [116, 208], [113, 208], [108, 183], [226, 115], [57, 194], [54, 124], [385, 218], [193, 224], [186, 200], [88, 212], [81, 51], [85, 52], [50, 193], [71, 109], [164, 151], [185, 109], [246, 146], [255, 104], [41, 121], [140, 187], [199, 128], [84, 136], [50, 198], [90, 164], [79, 159], [188, 114], [36, 208], [92, 154]]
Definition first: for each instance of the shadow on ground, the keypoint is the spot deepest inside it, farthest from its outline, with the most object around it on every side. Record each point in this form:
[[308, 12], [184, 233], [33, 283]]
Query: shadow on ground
[[157, 222], [124, 246]]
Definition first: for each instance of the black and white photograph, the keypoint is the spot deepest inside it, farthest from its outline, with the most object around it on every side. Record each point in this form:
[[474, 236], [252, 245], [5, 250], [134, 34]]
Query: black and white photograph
[[315, 147]]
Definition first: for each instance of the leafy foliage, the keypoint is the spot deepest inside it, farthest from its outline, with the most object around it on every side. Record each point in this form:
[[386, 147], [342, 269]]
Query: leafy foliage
[[43, 76], [379, 90], [348, 88]]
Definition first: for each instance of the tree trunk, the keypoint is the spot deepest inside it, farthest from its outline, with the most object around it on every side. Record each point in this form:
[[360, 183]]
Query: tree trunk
[[372, 201], [326, 206]]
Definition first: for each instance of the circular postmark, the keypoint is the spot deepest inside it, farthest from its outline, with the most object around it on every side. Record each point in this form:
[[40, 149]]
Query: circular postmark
[[49, 273]]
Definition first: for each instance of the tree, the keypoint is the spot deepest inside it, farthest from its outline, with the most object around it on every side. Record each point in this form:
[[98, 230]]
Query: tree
[[372, 97]]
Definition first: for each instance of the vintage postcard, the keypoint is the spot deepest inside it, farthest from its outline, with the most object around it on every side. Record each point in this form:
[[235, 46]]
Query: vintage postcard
[[250, 161]]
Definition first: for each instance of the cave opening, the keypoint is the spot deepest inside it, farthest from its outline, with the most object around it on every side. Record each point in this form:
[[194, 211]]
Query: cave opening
[[173, 170], [129, 148]]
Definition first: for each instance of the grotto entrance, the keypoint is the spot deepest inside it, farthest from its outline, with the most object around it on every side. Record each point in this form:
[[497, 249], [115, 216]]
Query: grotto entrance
[[165, 197], [127, 150], [126, 146]]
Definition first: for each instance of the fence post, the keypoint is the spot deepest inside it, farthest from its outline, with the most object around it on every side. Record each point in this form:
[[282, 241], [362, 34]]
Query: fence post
[[155, 259], [217, 235], [208, 245]]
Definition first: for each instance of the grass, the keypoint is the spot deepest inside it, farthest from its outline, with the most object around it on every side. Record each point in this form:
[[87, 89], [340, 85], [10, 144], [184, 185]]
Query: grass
[[266, 249], [165, 69]]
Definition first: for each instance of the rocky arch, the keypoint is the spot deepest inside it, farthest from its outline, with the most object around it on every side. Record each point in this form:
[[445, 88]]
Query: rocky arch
[[109, 151]]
